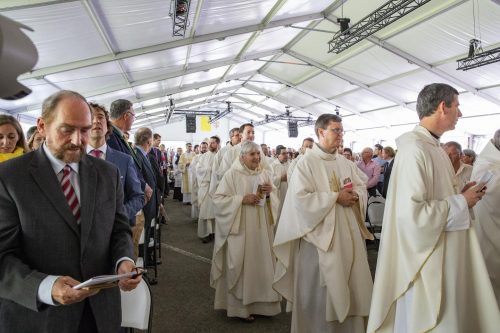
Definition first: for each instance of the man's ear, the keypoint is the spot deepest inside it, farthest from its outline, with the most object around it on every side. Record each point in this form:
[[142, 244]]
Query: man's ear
[[40, 124]]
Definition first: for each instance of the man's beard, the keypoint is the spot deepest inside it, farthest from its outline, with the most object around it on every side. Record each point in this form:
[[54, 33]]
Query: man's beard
[[67, 155]]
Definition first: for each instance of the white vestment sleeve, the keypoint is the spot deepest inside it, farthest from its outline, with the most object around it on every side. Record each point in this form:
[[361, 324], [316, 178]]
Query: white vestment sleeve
[[458, 215]]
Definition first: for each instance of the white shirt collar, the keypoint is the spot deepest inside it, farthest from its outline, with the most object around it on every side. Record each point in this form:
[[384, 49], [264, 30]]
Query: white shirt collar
[[56, 163], [102, 148]]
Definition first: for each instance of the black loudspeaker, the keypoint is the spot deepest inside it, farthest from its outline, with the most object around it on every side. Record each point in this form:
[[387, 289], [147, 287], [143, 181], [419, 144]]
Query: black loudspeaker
[[190, 123], [293, 130]]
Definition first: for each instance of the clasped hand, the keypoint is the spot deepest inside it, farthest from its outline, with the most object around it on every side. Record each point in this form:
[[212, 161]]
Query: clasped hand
[[347, 197]]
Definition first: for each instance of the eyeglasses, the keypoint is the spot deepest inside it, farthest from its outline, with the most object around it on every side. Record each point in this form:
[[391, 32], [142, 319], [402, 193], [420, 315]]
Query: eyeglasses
[[130, 113], [337, 130]]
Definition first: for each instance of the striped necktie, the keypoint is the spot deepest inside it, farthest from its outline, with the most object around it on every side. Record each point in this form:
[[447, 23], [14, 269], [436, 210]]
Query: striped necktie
[[69, 193]]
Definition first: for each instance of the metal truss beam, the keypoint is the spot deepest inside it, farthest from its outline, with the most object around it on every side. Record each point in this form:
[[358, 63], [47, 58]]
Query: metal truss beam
[[343, 106], [373, 22], [187, 99], [345, 77], [478, 60], [41, 72], [144, 115]]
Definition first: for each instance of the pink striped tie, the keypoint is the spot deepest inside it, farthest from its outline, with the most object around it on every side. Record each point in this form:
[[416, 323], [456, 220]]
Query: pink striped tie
[[69, 193]]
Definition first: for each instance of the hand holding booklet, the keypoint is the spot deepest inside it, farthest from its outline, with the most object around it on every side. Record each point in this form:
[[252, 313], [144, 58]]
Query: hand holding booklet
[[107, 281]]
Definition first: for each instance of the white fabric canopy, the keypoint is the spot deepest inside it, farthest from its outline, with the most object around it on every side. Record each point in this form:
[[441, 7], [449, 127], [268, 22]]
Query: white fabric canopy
[[252, 53]]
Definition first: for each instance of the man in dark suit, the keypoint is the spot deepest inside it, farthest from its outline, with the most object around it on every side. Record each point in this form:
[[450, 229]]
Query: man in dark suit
[[143, 143], [50, 239], [388, 155], [122, 117], [155, 149], [97, 147]]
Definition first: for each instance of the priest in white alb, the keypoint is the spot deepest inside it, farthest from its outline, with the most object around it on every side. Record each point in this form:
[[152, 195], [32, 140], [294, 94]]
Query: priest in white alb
[[322, 267], [243, 262], [280, 179], [234, 137], [206, 218], [307, 143], [184, 163], [431, 275], [487, 211]]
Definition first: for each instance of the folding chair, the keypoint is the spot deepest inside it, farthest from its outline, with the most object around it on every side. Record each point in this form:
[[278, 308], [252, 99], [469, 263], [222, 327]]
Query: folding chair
[[137, 307], [375, 215]]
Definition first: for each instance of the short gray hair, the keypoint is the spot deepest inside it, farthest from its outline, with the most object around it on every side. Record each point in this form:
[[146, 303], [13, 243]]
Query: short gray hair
[[248, 147], [324, 120], [454, 144], [119, 108], [431, 95], [142, 136]]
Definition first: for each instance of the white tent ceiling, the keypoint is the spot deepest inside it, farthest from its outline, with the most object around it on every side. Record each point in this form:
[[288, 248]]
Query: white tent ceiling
[[247, 52]]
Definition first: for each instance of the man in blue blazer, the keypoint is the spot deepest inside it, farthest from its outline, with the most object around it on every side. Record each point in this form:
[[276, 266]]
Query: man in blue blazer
[[97, 147]]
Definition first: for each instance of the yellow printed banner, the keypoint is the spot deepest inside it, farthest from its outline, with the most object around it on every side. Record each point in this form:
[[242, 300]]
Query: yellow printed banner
[[205, 124]]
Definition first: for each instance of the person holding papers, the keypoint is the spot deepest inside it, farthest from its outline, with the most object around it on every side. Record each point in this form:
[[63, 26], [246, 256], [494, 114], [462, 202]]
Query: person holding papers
[[62, 221], [243, 261]]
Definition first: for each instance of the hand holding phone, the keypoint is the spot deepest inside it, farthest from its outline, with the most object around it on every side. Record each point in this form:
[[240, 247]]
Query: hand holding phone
[[485, 178]]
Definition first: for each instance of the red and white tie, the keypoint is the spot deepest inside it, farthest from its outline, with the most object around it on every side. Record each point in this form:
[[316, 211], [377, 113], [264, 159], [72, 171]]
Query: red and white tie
[[69, 193]]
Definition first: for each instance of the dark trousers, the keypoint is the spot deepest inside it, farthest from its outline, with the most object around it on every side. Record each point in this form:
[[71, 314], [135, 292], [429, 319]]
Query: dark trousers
[[178, 194], [87, 323], [380, 187]]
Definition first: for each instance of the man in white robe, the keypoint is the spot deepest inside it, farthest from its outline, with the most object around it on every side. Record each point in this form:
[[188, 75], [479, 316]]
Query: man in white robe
[[243, 262], [235, 138], [322, 266], [307, 143], [462, 171], [280, 178], [184, 162], [487, 211], [206, 217], [266, 154], [431, 275], [247, 133], [203, 147]]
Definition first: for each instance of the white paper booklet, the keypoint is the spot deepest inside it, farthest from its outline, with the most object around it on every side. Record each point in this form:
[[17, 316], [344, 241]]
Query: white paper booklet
[[104, 279]]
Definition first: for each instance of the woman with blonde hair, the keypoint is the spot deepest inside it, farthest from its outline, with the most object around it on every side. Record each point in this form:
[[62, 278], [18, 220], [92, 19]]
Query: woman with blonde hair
[[12, 142]]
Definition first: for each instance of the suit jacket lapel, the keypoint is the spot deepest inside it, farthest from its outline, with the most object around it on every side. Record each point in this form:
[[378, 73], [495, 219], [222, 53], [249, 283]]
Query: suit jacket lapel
[[88, 188], [46, 179], [130, 149]]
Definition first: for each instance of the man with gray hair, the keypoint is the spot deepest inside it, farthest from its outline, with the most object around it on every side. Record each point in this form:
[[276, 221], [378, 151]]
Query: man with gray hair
[[469, 156], [487, 210], [322, 266], [430, 273], [462, 171], [243, 260]]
